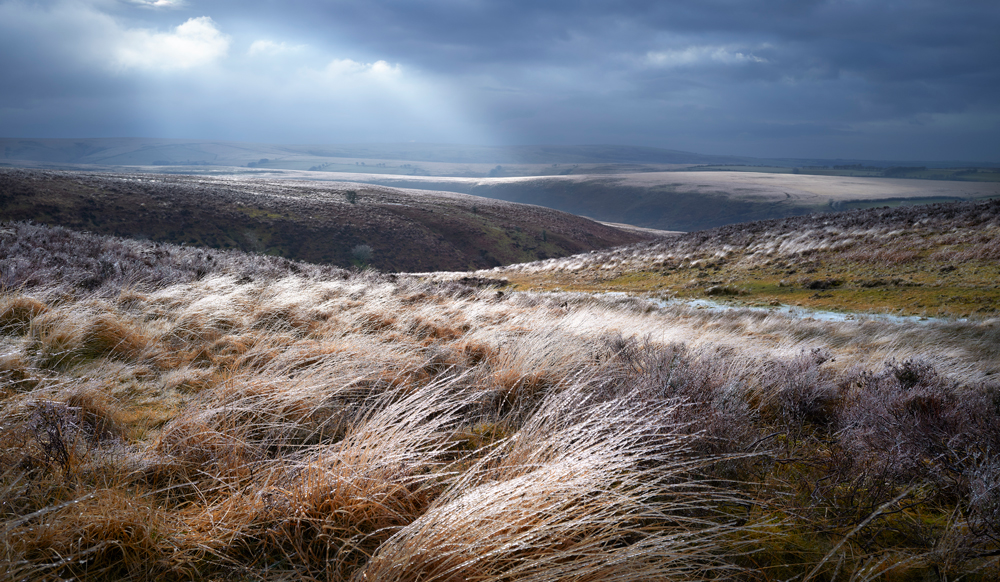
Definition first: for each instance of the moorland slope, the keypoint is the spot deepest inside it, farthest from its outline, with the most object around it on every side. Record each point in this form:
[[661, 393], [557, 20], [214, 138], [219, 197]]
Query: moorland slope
[[320, 222], [929, 260]]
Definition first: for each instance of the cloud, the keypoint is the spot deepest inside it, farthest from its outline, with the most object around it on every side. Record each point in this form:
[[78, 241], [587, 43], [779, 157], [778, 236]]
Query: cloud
[[75, 37], [349, 68], [696, 55], [270, 48], [195, 43], [159, 3]]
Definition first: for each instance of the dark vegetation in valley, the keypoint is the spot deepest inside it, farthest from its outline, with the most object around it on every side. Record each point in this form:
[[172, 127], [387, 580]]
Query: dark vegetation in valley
[[179, 413], [309, 221], [660, 206]]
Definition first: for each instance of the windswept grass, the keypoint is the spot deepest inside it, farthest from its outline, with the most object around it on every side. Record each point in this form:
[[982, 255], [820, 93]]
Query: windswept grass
[[272, 420]]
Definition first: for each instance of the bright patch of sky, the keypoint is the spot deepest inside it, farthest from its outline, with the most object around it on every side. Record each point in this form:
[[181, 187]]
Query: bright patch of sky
[[271, 48], [195, 43]]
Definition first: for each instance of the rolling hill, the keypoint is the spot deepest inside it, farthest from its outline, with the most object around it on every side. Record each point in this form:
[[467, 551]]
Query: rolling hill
[[323, 222]]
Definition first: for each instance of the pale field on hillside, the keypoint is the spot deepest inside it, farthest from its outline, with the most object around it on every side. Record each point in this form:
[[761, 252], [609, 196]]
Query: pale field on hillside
[[794, 189]]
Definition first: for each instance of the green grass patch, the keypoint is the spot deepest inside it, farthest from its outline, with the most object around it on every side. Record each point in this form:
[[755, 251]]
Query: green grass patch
[[968, 290]]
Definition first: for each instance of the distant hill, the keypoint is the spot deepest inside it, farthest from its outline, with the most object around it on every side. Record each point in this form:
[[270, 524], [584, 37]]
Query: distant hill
[[133, 151], [645, 187], [193, 153], [532, 154], [331, 223], [165, 152]]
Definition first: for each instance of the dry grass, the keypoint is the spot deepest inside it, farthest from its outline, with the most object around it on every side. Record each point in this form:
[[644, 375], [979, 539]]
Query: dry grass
[[371, 427], [17, 311]]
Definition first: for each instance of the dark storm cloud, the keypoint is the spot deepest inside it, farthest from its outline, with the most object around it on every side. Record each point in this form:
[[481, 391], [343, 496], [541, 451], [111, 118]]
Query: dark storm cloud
[[838, 78]]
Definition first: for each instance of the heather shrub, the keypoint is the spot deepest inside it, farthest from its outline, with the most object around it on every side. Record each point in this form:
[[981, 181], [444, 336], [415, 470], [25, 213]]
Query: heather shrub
[[803, 392], [983, 510], [714, 387], [66, 262], [909, 420]]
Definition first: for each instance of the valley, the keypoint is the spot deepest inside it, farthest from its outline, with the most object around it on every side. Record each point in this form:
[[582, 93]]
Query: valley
[[697, 200]]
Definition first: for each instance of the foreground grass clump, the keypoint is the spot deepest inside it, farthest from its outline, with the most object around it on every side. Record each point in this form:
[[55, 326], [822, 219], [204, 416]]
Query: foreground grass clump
[[251, 418]]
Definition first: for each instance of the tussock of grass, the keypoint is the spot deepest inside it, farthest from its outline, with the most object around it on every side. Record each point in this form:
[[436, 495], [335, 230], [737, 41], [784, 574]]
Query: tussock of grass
[[369, 427], [16, 313]]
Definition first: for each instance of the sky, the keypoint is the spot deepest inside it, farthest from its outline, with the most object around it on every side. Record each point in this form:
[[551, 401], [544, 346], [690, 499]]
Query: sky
[[863, 79]]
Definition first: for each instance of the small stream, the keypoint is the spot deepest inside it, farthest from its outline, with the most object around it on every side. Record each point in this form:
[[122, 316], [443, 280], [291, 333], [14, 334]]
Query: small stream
[[786, 310]]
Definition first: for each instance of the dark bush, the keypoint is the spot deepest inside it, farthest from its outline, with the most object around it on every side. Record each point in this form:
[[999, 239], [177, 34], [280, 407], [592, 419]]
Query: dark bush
[[822, 283]]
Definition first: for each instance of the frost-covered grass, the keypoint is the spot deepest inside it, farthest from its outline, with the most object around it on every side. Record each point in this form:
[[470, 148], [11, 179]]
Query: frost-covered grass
[[250, 418]]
